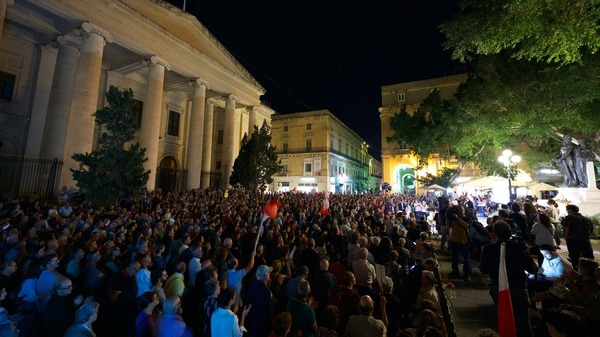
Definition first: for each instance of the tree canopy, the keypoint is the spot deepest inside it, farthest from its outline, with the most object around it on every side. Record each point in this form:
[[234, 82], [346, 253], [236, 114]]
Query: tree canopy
[[113, 171], [443, 178], [257, 161], [507, 103], [560, 31]]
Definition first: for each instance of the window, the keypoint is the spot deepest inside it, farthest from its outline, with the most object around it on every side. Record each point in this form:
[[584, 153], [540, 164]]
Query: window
[[7, 85], [346, 148], [285, 147], [220, 137], [285, 168], [173, 128], [218, 165], [331, 142], [308, 145], [285, 128], [401, 97], [307, 167], [137, 108], [308, 126], [340, 145]]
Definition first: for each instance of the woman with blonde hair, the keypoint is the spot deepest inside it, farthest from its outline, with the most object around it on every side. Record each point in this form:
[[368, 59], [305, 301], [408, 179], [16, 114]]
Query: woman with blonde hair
[[427, 320]]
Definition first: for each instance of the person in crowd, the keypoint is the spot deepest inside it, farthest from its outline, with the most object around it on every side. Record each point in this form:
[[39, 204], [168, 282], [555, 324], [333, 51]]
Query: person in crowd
[[146, 319], [304, 320], [282, 323], [577, 231], [259, 297], [61, 309], [363, 271], [459, 225], [210, 305], [47, 279], [175, 284], [518, 261], [323, 283], [543, 234], [122, 302], [84, 317], [170, 324], [224, 322], [330, 316], [364, 324], [292, 285], [235, 275]]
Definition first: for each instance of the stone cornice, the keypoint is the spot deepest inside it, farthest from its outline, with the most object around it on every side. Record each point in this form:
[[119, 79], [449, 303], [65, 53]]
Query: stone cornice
[[211, 101], [212, 38], [252, 108], [158, 61], [91, 28]]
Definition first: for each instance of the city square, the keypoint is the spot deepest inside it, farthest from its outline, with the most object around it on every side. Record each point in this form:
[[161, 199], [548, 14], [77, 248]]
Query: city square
[[204, 168]]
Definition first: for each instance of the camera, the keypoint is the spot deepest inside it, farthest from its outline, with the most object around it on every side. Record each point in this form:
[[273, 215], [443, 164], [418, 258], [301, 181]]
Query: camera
[[453, 210]]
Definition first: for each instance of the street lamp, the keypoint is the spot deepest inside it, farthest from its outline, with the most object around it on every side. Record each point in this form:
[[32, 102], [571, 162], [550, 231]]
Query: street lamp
[[508, 159]]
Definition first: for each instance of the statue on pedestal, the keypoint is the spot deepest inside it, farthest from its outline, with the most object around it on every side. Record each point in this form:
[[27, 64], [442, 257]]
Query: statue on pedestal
[[565, 162], [581, 155]]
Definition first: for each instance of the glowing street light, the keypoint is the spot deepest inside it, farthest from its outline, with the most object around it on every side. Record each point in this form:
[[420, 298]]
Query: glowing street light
[[508, 159]]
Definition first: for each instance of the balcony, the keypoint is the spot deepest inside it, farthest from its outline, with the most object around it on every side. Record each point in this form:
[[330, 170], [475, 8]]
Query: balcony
[[319, 150]]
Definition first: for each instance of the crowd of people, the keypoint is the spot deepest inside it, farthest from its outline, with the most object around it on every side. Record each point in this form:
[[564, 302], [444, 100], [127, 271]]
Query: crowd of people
[[206, 263]]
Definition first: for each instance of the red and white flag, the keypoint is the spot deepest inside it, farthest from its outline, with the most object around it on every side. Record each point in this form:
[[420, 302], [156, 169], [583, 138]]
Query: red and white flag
[[506, 319], [325, 207]]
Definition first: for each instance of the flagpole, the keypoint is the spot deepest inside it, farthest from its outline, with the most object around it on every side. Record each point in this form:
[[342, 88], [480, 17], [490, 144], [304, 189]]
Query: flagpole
[[184, 1]]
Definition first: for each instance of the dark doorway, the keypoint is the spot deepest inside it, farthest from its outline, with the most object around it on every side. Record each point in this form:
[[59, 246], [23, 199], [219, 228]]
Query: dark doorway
[[169, 177]]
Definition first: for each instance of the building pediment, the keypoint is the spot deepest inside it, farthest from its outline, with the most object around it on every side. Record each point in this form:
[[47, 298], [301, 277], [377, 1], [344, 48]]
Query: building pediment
[[186, 27]]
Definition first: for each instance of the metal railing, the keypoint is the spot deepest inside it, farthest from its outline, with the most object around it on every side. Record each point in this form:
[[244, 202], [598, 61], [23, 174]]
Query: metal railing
[[170, 179], [319, 150], [28, 175]]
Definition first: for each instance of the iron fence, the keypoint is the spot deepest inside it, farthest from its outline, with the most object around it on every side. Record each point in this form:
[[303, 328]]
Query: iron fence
[[170, 179], [28, 175]]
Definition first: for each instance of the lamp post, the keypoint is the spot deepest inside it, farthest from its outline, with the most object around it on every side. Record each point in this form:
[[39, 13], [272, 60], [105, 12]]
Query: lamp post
[[508, 159]]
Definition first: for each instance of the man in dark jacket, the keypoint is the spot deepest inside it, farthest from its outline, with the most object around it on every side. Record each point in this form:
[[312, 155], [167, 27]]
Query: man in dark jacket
[[517, 261], [259, 296], [60, 311]]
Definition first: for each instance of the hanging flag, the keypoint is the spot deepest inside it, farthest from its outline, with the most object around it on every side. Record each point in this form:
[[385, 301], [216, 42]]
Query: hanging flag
[[506, 319], [271, 209], [294, 190], [325, 207]]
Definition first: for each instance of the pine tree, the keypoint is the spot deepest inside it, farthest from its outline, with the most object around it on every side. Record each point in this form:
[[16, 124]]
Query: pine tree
[[257, 161], [115, 170]]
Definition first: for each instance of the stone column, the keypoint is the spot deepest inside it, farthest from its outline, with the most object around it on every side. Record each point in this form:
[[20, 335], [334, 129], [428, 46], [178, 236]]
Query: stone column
[[3, 5], [61, 97], [207, 142], [252, 119], [80, 130], [150, 128], [39, 108], [194, 155], [227, 155]]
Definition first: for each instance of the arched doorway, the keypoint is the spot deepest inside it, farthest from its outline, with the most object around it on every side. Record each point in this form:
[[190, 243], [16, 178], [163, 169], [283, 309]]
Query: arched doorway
[[404, 179], [169, 176]]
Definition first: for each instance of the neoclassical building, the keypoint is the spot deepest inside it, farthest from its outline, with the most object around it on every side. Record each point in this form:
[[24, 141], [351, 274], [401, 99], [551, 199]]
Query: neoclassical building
[[398, 163], [58, 57], [320, 153]]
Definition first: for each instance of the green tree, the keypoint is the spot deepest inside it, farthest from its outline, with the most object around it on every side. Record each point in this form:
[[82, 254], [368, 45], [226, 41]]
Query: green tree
[[545, 30], [508, 103], [442, 178], [257, 161], [115, 170]]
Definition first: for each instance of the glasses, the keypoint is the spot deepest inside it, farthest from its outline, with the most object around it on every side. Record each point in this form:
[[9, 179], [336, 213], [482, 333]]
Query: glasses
[[65, 288]]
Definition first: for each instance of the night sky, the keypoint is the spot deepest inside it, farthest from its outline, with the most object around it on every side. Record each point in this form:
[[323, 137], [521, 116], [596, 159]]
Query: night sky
[[335, 55]]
